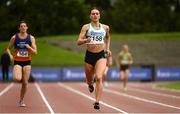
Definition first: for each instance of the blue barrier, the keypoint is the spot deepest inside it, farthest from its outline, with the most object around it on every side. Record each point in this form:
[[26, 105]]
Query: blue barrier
[[113, 74], [168, 74], [10, 74], [134, 74], [68, 74], [73, 74], [46, 74]]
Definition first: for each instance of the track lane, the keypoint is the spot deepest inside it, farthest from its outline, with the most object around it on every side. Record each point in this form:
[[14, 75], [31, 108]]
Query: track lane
[[129, 104], [5, 89], [3, 85], [44, 98], [151, 87], [91, 98], [9, 101], [152, 96], [64, 100]]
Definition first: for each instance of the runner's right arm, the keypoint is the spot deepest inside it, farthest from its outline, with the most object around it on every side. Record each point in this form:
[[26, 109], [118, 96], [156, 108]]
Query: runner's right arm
[[82, 40], [10, 45]]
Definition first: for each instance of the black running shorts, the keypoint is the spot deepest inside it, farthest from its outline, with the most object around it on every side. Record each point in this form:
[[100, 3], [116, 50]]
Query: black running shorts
[[22, 63], [124, 67], [91, 58]]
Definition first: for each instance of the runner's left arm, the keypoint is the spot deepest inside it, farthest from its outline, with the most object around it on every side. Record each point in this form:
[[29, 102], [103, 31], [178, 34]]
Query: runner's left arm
[[107, 48], [33, 47]]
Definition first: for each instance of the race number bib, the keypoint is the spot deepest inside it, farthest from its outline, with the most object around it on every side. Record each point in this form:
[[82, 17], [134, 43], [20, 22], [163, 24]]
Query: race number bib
[[96, 40], [22, 53]]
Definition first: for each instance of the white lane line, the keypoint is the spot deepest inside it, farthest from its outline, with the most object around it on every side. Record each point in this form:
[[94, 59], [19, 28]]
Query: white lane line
[[85, 113], [99, 113], [151, 92], [44, 98], [6, 89], [140, 99], [84, 95], [154, 93]]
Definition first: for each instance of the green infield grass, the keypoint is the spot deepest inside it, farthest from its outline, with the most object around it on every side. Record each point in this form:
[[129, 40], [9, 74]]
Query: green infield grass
[[173, 85], [50, 54]]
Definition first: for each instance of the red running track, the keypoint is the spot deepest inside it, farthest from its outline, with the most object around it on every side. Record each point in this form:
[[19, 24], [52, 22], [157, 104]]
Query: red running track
[[74, 97]]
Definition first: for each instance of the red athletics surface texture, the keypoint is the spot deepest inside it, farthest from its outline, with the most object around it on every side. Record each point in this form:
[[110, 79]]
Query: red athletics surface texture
[[74, 97]]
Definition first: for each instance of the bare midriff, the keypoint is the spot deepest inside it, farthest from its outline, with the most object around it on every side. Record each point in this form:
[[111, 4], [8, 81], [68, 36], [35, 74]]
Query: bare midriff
[[95, 48]]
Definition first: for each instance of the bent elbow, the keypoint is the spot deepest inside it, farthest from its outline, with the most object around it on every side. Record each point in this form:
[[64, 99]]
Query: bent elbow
[[35, 52], [78, 43]]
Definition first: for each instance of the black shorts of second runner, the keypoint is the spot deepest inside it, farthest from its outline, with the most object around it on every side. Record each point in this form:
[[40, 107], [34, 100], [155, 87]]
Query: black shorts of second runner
[[22, 63], [92, 58], [124, 67]]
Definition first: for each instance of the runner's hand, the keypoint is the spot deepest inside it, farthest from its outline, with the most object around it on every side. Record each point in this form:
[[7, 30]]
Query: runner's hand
[[11, 58], [108, 52], [88, 39], [27, 46]]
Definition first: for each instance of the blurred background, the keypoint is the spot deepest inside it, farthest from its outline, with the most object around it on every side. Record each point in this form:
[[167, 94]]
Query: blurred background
[[151, 28]]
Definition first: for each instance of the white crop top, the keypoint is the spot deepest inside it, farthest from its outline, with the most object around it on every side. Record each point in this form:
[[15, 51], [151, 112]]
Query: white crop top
[[97, 36]]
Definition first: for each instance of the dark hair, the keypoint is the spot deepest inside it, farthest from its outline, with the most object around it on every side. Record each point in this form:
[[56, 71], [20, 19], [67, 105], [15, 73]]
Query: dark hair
[[95, 8], [22, 22]]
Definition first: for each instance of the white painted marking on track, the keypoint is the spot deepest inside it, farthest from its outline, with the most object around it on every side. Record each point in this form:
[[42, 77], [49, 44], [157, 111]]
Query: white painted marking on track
[[79, 113], [93, 113], [140, 99], [6, 89], [84, 95], [44, 98], [154, 93]]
